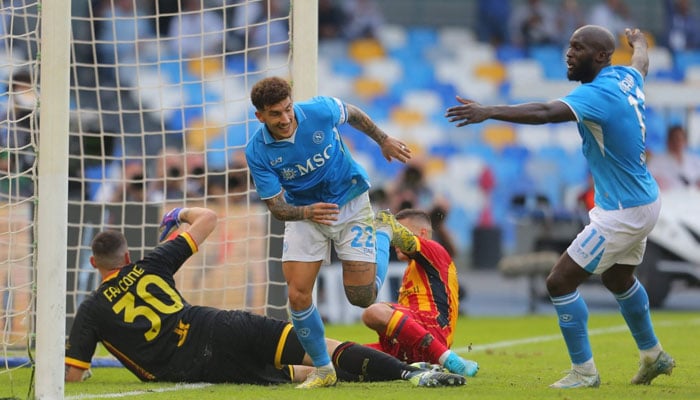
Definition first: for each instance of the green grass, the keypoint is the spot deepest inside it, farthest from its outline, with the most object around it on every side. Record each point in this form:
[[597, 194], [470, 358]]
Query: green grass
[[519, 357]]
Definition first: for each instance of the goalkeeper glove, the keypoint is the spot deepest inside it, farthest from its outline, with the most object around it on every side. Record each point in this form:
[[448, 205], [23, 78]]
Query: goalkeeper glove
[[170, 222]]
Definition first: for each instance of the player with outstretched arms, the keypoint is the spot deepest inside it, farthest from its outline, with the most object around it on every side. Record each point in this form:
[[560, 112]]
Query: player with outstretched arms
[[608, 108]]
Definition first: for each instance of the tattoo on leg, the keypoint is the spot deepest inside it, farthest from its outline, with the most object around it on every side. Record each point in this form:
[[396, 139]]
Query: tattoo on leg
[[361, 296]]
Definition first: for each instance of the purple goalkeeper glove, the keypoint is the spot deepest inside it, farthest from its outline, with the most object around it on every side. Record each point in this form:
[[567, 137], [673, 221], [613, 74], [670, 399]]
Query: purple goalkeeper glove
[[170, 222]]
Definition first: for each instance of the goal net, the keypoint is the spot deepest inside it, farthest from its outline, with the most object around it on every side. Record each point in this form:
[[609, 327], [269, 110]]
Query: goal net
[[159, 118]]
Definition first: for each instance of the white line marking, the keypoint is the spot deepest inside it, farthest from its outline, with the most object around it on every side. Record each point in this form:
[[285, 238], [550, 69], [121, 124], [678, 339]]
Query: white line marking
[[179, 386], [549, 338]]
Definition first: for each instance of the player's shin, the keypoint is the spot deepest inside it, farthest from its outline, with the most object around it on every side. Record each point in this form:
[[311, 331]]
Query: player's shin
[[382, 260], [362, 363], [311, 332]]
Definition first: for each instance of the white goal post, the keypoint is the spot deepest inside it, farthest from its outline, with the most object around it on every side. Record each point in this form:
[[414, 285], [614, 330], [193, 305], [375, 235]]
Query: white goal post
[[144, 106]]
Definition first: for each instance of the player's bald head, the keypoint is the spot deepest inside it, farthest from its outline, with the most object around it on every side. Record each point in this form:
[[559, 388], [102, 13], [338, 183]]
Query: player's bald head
[[597, 37]]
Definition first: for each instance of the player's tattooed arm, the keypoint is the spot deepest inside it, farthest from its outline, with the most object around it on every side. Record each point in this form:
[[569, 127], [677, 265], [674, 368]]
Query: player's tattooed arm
[[284, 211], [322, 213], [363, 123]]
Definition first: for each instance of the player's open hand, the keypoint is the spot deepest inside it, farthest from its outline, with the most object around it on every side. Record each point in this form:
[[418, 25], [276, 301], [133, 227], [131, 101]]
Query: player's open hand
[[170, 222], [393, 148], [468, 112], [322, 213]]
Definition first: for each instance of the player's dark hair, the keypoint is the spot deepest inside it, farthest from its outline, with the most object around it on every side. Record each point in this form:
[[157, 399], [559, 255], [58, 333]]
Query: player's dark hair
[[270, 91], [108, 248], [413, 213]]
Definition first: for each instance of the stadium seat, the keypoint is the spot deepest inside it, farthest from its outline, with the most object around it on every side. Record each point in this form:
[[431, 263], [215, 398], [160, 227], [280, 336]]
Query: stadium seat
[[566, 136], [451, 37], [406, 117], [385, 69], [422, 37], [526, 70], [346, 67], [498, 135], [692, 74], [533, 137], [368, 88], [94, 176], [365, 50], [507, 53], [492, 71], [660, 61], [392, 36], [684, 59], [656, 126], [424, 100], [205, 66], [551, 58]]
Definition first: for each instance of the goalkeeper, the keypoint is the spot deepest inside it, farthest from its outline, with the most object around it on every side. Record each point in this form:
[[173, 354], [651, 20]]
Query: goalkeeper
[[421, 325], [140, 317]]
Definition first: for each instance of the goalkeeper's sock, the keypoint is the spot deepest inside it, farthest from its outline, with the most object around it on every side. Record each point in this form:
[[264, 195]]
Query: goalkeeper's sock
[[311, 332], [411, 334], [355, 362], [634, 307], [382, 258], [573, 322]]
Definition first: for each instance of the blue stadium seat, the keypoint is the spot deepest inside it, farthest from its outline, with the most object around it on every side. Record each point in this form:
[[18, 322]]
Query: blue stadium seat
[[346, 67], [507, 53], [683, 59], [552, 60], [422, 38], [656, 126], [93, 175]]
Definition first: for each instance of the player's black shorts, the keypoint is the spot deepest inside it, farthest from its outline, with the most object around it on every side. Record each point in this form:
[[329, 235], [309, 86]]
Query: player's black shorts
[[246, 347]]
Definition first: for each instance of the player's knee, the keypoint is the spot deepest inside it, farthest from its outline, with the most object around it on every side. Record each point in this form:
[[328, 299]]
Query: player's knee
[[372, 317], [555, 285], [299, 300], [361, 296]]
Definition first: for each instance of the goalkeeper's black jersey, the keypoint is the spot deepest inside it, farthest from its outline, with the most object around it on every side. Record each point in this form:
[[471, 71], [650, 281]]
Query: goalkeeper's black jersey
[[141, 318]]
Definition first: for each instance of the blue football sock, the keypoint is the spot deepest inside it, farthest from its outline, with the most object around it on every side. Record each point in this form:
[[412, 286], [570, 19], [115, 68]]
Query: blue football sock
[[634, 306], [311, 332], [382, 259], [573, 322]]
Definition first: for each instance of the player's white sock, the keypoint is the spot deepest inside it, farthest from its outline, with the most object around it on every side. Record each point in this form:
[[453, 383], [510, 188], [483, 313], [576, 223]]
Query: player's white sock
[[587, 368], [652, 352]]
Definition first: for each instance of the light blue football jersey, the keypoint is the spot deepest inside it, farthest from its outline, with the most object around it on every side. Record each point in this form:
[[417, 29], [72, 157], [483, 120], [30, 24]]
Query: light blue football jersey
[[610, 117], [314, 165]]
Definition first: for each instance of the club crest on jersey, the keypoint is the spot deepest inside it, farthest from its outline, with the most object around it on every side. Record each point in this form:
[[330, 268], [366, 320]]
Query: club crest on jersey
[[288, 174], [317, 137]]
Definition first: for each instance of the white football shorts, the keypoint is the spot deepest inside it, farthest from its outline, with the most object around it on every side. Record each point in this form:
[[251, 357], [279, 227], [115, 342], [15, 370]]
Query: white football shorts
[[352, 235], [614, 237]]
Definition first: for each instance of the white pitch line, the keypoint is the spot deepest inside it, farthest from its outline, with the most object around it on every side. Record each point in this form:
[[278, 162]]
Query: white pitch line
[[180, 386], [549, 338]]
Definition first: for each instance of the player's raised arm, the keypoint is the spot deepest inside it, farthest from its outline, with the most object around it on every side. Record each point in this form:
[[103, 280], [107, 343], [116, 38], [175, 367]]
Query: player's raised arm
[[638, 42]]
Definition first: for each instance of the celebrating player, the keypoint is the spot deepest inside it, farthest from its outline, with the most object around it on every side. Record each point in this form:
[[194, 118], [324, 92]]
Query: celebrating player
[[421, 325], [307, 177], [608, 107], [138, 314]]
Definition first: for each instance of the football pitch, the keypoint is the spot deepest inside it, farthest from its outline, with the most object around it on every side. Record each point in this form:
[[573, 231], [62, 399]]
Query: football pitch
[[519, 357]]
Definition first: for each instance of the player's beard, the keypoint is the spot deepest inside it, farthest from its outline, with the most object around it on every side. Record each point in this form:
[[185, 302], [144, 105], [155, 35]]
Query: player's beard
[[582, 71]]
